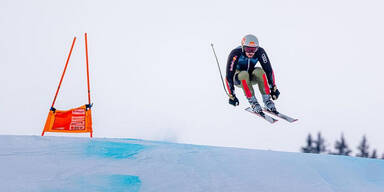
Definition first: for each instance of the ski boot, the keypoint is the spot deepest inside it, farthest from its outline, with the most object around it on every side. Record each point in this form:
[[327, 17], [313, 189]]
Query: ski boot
[[268, 103], [255, 106]]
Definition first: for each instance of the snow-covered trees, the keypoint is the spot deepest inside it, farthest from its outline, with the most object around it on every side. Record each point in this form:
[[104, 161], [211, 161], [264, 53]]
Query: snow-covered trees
[[363, 148], [318, 145], [314, 146], [341, 147], [309, 147]]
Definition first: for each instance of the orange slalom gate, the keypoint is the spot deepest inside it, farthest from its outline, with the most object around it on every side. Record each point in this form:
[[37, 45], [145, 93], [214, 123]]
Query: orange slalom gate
[[77, 120]]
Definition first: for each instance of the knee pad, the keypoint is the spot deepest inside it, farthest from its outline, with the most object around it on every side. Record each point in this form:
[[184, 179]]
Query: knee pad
[[243, 75]]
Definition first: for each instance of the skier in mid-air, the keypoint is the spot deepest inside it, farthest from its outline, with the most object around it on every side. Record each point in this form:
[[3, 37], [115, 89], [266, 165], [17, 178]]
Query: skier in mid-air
[[242, 72]]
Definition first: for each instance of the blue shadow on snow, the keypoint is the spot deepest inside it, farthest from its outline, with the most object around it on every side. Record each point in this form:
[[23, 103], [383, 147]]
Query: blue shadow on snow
[[100, 183], [116, 150]]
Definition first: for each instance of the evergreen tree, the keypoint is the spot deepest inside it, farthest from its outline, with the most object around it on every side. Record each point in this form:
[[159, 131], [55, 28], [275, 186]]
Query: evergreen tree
[[363, 148], [342, 147], [319, 144], [309, 147], [374, 155]]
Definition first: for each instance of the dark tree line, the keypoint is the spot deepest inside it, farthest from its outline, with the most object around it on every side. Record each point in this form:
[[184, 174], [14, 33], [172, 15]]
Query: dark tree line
[[341, 147]]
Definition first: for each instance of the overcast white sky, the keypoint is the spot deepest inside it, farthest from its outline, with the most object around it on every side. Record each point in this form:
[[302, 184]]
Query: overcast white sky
[[153, 74]]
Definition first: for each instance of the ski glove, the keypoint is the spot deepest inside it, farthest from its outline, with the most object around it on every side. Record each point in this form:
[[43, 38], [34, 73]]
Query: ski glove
[[275, 92], [233, 100]]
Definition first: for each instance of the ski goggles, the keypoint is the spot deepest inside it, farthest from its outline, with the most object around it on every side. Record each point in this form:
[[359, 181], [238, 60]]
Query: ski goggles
[[250, 49]]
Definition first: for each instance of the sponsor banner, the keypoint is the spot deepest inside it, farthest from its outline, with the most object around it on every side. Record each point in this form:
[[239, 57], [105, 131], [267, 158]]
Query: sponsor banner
[[72, 120]]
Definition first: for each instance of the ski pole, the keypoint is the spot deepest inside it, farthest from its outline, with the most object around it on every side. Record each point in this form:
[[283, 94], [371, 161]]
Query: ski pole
[[218, 65]]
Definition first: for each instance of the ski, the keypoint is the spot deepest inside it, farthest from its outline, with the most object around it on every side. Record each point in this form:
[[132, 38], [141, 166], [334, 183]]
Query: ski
[[262, 115], [278, 114]]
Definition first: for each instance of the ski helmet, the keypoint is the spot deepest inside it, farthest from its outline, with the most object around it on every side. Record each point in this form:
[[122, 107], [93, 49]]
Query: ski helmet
[[249, 41]]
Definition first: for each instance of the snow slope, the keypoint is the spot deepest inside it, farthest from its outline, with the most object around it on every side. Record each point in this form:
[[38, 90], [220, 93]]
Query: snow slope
[[34, 163]]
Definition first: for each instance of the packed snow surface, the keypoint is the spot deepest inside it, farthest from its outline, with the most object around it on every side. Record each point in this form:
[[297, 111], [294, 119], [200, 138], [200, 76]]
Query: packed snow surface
[[34, 163]]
